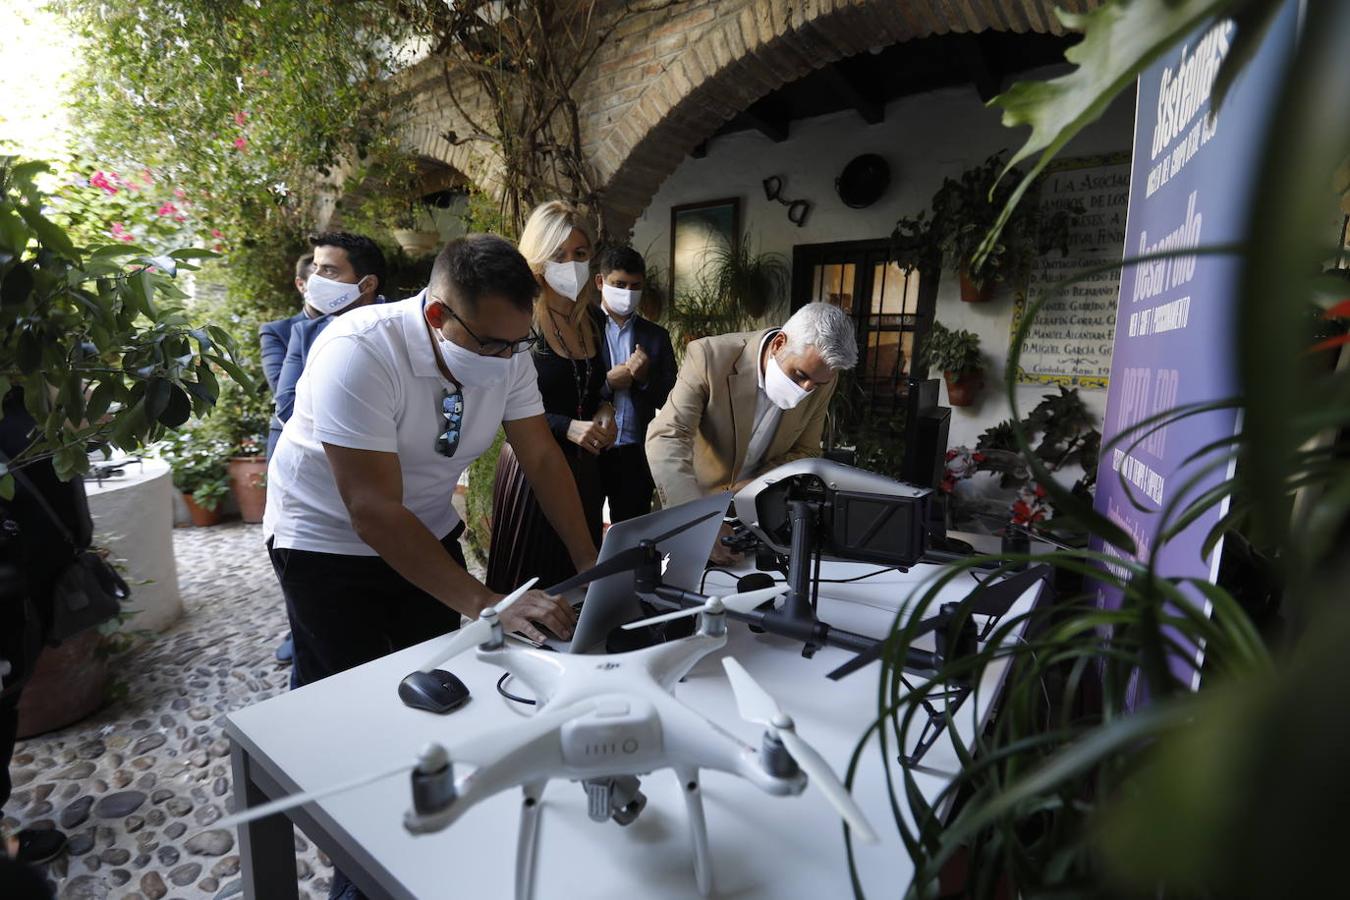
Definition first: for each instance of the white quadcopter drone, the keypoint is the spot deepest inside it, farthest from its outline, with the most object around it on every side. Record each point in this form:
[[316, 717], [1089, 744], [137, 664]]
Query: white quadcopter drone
[[604, 720]]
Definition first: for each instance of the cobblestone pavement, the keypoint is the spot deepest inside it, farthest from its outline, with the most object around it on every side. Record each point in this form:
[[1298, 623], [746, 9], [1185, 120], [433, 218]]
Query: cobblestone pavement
[[138, 785]]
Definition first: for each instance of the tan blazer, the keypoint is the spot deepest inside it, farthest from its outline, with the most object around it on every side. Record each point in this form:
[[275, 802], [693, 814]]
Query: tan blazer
[[697, 442]]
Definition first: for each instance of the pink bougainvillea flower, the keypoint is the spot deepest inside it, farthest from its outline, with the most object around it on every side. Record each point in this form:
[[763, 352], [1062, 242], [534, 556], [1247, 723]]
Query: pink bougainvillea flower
[[100, 180], [168, 209], [240, 117], [240, 144], [180, 218], [120, 232], [217, 233], [180, 193]]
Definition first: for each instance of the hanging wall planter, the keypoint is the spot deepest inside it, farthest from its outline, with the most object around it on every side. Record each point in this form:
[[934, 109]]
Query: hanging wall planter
[[973, 293], [963, 386], [417, 243]]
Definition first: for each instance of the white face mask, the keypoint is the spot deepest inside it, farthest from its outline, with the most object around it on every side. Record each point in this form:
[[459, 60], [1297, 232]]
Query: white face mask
[[782, 391], [620, 301], [329, 296], [566, 278], [472, 369]]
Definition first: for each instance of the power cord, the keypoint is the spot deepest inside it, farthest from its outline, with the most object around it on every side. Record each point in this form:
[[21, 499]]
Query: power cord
[[781, 580], [501, 689]]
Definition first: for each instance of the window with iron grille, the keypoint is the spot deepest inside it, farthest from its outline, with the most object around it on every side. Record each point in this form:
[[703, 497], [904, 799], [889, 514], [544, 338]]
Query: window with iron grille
[[891, 304]]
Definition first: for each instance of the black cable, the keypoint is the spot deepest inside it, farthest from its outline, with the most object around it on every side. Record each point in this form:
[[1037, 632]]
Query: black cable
[[871, 574], [501, 689], [874, 573]]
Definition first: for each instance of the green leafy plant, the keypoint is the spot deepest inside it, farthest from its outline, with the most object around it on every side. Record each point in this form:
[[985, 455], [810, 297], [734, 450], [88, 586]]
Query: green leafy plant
[[198, 464], [478, 499], [1076, 789], [964, 209], [96, 338], [702, 311], [756, 282], [956, 351]]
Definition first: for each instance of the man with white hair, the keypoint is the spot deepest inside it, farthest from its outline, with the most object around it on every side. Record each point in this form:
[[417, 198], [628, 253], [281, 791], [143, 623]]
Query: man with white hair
[[747, 403]]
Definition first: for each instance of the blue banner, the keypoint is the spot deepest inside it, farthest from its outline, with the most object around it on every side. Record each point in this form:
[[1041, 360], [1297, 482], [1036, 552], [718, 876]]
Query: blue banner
[[1191, 184]]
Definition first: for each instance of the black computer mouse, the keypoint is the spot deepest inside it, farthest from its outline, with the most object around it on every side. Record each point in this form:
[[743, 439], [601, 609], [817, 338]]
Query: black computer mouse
[[436, 691]]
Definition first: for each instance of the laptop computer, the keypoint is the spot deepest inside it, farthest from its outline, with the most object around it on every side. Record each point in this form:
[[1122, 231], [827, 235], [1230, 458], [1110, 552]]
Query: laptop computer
[[612, 601]]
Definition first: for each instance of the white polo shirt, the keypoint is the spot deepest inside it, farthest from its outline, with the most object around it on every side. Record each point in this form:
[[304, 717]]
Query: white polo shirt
[[371, 383]]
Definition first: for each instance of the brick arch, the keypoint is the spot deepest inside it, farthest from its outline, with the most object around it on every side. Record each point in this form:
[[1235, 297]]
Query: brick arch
[[741, 56]]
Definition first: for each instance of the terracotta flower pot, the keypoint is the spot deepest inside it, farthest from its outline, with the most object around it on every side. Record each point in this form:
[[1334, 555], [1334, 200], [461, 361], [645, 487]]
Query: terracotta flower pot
[[201, 516], [961, 388], [972, 294], [68, 683], [248, 480]]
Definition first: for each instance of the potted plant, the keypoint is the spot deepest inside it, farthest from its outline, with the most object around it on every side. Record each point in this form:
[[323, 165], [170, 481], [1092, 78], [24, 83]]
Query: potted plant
[[240, 423], [702, 311], [965, 208], [248, 479], [957, 355], [753, 281], [198, 463]]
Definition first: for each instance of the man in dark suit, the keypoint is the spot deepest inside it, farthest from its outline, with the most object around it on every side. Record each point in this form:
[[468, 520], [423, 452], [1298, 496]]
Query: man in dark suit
[[275, 336], [641, 372], [340, 258]]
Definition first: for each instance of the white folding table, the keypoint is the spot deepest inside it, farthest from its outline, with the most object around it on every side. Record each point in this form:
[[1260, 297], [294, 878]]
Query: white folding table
[[762, 847]]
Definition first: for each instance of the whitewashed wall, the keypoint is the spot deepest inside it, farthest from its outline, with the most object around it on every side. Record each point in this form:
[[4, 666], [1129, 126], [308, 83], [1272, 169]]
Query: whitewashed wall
[[924, 138]]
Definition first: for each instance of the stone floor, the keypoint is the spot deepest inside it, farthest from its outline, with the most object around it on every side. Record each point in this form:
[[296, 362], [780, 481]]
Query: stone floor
[[138, 785]]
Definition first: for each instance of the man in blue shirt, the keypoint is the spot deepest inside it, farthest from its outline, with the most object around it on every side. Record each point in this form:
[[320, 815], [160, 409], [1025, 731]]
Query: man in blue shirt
[[640, 362], [276, 336]]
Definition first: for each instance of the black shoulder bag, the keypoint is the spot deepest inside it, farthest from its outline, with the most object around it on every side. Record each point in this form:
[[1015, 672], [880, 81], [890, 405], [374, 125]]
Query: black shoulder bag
[[89, 591]]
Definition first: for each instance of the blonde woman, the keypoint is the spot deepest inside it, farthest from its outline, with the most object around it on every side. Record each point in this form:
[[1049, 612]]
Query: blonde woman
[[557, 244]]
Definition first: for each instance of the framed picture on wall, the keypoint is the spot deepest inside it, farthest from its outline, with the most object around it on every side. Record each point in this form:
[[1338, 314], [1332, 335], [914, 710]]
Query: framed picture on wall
[[698, 231]]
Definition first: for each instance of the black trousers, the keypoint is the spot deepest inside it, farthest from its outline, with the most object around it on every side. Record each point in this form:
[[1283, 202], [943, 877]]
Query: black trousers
[[348, 610], [627, 482]]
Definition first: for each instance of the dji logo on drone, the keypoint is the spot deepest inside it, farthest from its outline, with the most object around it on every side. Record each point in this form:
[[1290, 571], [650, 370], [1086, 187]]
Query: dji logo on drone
[[609, 665]]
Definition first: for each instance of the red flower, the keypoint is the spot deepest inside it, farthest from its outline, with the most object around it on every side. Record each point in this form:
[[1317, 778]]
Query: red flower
[[100, 180], [168, 209], [217, 233], [948, 483], [240, 144], [978, 457], [240, 118], [951, 455], [1040, 491], [120, 232]]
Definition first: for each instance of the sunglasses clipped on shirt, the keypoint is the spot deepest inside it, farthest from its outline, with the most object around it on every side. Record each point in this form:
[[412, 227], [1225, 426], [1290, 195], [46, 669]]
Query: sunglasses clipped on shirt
[[450, 422]]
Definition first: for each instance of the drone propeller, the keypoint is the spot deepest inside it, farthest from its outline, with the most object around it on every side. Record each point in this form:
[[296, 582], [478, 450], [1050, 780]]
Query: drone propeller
[[479, 630], [626, 560], [253, 813], [758, 706], [737, 603]]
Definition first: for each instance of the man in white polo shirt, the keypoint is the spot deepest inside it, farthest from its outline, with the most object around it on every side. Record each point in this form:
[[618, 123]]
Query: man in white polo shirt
[[395, 401]]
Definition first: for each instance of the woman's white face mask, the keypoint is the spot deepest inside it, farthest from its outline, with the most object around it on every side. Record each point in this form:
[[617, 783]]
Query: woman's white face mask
[[329, 296], [566, 277]]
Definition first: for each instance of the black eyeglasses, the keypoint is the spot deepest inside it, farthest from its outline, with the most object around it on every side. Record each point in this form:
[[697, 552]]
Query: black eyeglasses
[[492, 347], [452, 412]]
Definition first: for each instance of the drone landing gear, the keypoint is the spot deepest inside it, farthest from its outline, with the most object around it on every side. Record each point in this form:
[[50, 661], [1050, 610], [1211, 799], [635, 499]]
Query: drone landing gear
[[698, 827], [528, 838]]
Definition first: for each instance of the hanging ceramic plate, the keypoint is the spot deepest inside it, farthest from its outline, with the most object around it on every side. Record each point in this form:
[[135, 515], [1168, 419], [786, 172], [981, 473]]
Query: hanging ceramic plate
[[863, 181]]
